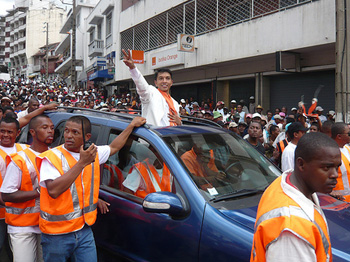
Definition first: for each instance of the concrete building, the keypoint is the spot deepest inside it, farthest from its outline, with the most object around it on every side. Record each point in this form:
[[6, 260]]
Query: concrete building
[[278, 51], [26, 33], [2, 43], [83, 9]]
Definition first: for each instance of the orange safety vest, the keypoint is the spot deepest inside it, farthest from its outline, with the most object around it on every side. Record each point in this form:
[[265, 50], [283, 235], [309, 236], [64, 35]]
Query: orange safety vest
[[77, 205], [151, 178], [25, 213], [3, 154], [281, 145], [277, 212], [343, 183], [114, 172]]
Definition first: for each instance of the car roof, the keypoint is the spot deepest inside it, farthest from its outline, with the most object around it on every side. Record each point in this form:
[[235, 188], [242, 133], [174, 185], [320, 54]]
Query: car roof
[[188, 127]]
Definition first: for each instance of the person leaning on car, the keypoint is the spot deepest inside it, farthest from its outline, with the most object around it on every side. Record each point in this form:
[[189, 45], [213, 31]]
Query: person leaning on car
[[290, 224], [70, 179]]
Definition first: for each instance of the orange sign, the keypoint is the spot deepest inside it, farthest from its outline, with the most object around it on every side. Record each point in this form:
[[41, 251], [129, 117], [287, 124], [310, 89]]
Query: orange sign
[[137, 56], [154, 61]]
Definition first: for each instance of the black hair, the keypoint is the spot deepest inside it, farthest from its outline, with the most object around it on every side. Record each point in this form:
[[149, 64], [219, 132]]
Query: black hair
[[273, 128], [316, 125], [257, 122], [327, 126], [338, 128], [33, 122], [289, 120], [32, 99], [10, 119], [80, 120], [311, 143], [5, 108], [162, 70]]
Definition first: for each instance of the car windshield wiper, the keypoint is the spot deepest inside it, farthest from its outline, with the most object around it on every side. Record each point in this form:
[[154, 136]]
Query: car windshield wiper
[[237, 193]]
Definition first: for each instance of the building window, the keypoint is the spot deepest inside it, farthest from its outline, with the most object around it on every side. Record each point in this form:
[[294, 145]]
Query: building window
[[92, 35], [109, 24], [99, 31]]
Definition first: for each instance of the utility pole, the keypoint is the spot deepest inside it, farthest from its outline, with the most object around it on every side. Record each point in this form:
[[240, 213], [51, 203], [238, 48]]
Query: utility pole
[[47, 51], [74, 30], [342, 61]]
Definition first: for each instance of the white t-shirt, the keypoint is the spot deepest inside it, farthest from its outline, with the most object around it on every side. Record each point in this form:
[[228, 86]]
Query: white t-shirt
[[134, 182], [287, 161], [11, 184], [49, 172], [8, 150]]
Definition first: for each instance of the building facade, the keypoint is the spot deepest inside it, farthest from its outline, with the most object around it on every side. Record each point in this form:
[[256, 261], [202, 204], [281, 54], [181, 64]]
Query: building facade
[[25, 33]]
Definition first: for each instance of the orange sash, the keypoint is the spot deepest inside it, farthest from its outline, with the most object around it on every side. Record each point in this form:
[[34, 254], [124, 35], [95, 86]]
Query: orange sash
[[170, 103]]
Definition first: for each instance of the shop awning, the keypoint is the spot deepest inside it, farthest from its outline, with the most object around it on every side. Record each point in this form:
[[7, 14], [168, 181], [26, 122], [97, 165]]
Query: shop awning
[[100, 75]]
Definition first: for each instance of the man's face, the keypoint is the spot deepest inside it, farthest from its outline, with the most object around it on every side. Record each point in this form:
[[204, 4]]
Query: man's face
[[5, 102], [344, 137], [33, 105], [44, 131], [73, 136], [8, 134], [164, 81], [299, 134], [239, 108], [254, 130], [241, 128], [320, 174]]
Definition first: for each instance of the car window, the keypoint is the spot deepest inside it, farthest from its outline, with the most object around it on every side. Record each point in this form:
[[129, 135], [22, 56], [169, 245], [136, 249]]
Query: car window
[[137, 168], [221, 164]]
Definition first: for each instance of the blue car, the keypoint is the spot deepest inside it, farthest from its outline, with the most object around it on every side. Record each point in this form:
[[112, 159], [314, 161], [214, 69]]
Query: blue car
[[198, 218]]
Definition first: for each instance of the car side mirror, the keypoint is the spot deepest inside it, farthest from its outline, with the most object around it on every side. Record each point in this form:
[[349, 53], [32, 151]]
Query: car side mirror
[[164, 202]]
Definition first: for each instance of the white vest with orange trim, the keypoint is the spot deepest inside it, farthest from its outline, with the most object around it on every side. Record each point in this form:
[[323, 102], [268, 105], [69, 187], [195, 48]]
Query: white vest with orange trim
[[24, 213], [343, 180], [278, 212], [3, 154], [75, 207], [151, 178]]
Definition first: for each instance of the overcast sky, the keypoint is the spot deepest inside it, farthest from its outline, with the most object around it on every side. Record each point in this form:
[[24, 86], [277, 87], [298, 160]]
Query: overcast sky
[[6, 5]]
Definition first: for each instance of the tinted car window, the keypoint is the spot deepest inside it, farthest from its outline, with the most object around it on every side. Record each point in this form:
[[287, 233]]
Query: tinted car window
[[221, 164], [123, 172]]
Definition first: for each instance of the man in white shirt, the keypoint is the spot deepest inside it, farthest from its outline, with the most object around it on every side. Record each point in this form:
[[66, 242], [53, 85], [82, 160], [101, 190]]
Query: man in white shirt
[[23, 228], [158, 107], [290, 224], [295, 131], [65, 171], [32, 105], [340, 133]]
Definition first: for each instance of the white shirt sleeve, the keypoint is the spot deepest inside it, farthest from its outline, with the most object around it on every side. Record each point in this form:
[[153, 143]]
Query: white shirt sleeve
[[133, 181], [103, 153], [12, 181], [290, 248], [47, 172], [142, 87]]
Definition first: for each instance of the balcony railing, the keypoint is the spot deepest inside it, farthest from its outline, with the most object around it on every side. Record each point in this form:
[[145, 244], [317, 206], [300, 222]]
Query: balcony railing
[[96, 48]]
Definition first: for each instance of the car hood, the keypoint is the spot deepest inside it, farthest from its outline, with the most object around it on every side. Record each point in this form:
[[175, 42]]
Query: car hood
[[338, 219]]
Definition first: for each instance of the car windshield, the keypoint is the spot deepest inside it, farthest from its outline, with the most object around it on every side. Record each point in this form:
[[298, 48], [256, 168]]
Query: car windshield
[[222, 165]]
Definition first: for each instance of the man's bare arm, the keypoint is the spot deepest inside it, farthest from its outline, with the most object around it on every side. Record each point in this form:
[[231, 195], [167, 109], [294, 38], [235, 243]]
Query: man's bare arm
[[23, 121]]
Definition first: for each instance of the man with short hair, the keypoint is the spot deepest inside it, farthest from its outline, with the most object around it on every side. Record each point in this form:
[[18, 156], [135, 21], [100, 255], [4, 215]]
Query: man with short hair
[[32, 105], [290, 225], [295, 131], [254, 133], [20, 190], [69, 180], [341, 135], [158, 107], [9, 130], [319, 111]]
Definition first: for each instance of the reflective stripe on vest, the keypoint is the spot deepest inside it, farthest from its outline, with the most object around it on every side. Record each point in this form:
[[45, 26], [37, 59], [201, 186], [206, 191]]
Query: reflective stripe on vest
[[24, 213], [151, 178], [3, 154], [343, 185], [281, 145], [77, 205], [279, 214]]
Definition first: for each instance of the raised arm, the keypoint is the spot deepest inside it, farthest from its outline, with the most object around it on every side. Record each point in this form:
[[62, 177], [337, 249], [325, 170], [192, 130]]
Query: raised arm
[[120, 140], [128, 59], [23, 121]]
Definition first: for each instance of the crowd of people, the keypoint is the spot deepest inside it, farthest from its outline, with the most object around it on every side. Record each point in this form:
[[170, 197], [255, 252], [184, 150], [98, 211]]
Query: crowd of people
[[38, 172]]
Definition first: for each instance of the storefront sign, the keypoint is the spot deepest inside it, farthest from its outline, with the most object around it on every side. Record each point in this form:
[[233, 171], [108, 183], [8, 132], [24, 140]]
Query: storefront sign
[[167, 58], [137, 56], [185, 43]]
